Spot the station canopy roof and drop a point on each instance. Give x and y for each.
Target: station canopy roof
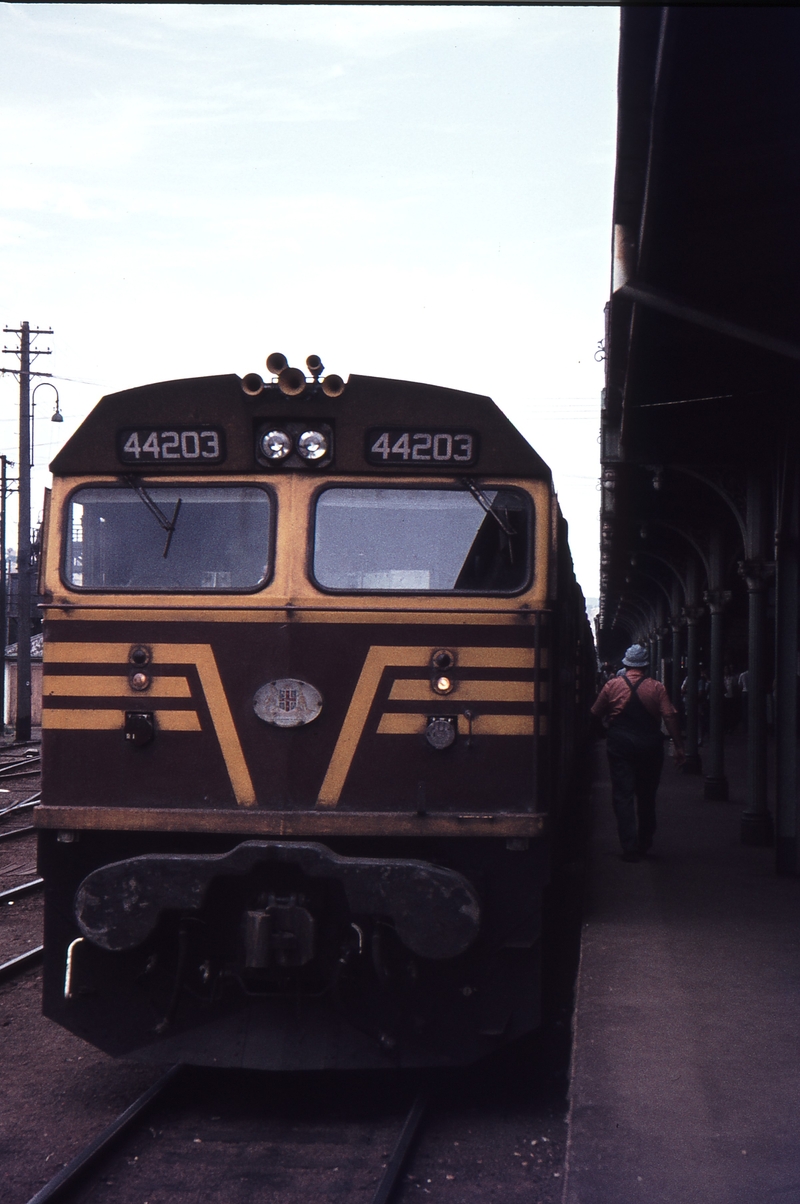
(703, 326)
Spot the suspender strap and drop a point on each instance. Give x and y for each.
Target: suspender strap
(635, 716)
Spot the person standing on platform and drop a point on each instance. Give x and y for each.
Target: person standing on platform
(633, 706)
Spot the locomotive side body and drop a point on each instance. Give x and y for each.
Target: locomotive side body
(299, 765)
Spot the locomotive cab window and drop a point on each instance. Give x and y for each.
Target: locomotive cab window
(154, 538)
(419, 540)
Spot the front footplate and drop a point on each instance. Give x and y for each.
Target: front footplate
(435, 911)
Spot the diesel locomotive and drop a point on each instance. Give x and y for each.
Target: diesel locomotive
(316, 675)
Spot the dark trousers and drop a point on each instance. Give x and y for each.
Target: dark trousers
(635, 774)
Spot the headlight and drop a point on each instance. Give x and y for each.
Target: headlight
(275, 445)
(312, 445)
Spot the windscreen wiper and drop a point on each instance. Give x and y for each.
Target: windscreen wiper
(485, 504)
(166, 524)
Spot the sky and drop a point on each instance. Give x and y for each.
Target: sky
(419, 192)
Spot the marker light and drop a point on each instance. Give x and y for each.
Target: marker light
(443, 685)
(275, 445)
(312, 445)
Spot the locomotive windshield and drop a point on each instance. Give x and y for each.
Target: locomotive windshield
(419, 540)
(202, 539)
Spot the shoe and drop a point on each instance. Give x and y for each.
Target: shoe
(630, 855)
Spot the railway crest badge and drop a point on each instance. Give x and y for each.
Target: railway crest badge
(287, 702)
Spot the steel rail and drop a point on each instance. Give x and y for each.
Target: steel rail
(24, 961)
(96, 1148)
(25, 804)
(24, 889)
(17, 832)
(394, 1167)
(18, 764)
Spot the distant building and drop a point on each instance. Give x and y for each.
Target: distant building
(36, 682)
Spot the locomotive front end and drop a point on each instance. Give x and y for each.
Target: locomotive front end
(297, 765)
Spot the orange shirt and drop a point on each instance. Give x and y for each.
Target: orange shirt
(615, 694)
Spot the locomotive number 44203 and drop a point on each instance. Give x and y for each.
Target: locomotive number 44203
(395, 446)
(146, 445)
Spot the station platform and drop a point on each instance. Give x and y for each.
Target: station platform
(685, 1078)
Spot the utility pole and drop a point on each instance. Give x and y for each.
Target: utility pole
(3, 588)
(25, 353)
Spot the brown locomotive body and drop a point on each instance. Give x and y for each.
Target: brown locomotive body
(314, 679)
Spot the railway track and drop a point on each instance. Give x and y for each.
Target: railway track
(90, 1158)
(17, 832)
(20, 963)
(91, 1154)
(25, 804)
(25, 888)
(12, 967)
(241, 1137)
(31, 957)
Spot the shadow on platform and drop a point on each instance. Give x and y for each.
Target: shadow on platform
(684, 1080)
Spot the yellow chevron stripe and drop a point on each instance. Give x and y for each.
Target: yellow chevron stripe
(200, 656)
(90, 720)
(113, 687)
(377, 660)
(482, 725)
(495, 658)
(409, 690)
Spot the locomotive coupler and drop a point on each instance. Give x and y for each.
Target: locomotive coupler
(281, 934)
(435, 911)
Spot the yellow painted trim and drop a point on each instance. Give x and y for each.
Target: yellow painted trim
(408, 690)
(128, 612)
(402, 725)
(377, 659)
(178, 721)
(290, 583)
(313, 824)
(113, 687)
(482, 725)
(498, 725)
(90, 720)
(382, 657)
(85, 720)
(88, 653)
(202, 657)
(495, 658)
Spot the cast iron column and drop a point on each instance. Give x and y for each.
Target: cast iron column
(716, 784)
(693, 613)
(675, 676)
(757, 826)
(787, 853)
(673, 684)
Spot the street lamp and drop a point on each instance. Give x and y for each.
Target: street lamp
(57, 415)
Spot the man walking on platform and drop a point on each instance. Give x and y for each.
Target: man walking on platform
(634, 706)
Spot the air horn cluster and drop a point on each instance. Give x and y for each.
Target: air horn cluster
(293, 381)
